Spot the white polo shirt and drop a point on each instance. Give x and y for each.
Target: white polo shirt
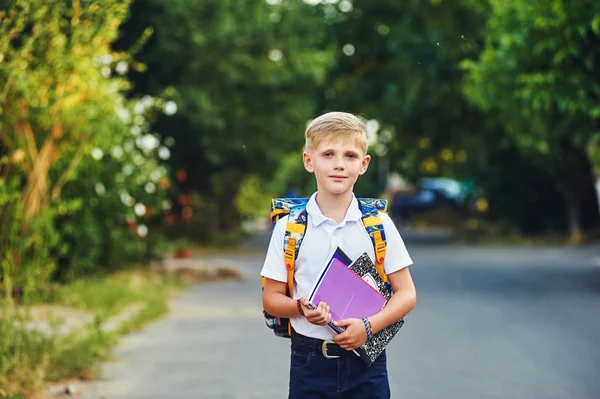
(323, 235)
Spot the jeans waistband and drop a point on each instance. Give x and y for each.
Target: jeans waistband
(327, 348)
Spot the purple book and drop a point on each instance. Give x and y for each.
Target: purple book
(346, 293)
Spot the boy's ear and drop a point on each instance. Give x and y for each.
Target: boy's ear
(365, 165)
(307, 162)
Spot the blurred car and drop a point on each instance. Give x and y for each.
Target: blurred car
(434, 193)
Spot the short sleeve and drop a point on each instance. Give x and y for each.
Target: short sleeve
(396, 256)
(274, 265)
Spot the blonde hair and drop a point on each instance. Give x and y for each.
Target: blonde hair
(336, 125)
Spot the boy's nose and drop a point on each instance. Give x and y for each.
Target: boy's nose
(339, 164)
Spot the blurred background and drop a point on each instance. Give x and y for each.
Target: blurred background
(130, 131)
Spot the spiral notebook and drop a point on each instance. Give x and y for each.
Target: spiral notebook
(370, 351)
(355, 290)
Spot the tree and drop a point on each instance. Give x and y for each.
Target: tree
(54, 97)
(242, 75)
(60, 102)
(538, 77)
(398, 63)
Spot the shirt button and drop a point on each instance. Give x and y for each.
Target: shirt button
(335, 233)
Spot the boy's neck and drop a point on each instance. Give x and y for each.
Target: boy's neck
(334, 206)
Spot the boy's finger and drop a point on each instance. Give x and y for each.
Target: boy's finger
(340, 339)
(342, 323)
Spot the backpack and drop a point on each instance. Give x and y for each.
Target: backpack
(294, 233)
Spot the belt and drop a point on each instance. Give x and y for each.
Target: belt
(328, 348)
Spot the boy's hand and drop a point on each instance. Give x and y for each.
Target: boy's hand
(354, 336)
(319, 316)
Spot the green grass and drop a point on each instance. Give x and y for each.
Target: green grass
(108, 296)
(29, 359)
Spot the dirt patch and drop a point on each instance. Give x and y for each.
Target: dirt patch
(64, 389)
(204, 275)
(198, 271)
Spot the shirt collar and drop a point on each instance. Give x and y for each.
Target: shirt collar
(353, 213)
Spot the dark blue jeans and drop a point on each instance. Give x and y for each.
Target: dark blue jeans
(313, 376)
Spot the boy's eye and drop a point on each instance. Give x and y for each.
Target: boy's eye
(351, 156)
(327, 154)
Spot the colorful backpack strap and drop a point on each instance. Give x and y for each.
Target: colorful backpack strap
(282, 206)
(294, 233)
(370, 209)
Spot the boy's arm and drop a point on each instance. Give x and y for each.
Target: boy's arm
(274, 298)
(400, 304)
(396, 265)
(276, 302)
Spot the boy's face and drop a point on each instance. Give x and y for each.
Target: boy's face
(336, 165)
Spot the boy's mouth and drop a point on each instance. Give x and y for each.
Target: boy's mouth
(338, 177)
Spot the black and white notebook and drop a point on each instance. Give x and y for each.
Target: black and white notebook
(370, 351)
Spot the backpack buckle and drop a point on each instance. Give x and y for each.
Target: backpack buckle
(324, 350)
(290, 253)
(379, 246)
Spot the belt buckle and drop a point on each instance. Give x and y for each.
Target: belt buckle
(324, 349)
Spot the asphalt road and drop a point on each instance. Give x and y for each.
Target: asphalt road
(489, 323)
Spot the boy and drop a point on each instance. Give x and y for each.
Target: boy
(336, 152)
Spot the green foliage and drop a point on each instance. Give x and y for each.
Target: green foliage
(373, 182)
(538, 73)
(401, 64)
(9, 208)
(53, 72)
(252, 200)
(537, 77)
(290, 178)
(398, 63)
(123, 189)
(26, 257)
(63, 106)
(243, 75)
